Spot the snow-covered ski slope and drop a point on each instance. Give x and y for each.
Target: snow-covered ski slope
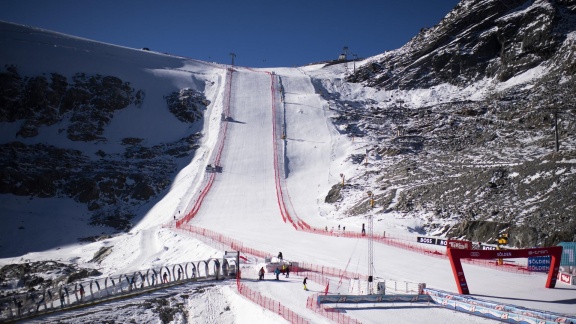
(246, 184)
(242, 202)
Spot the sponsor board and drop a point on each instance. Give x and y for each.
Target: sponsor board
(567, 278)
(431, 240)
(539, 263)
(461, 245)
(441, 242)
(426, 240)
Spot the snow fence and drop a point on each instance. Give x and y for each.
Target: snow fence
(89, 292)
(271, 305)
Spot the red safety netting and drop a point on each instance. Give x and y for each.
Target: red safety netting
(330, 313)
(289, 215)
(270, 304)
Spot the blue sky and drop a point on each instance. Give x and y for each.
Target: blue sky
(260, 33)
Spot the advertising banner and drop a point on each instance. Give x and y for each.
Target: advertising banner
(539, 263)
(567, 278)
(457, 244)
(455, 254)
(431, 240)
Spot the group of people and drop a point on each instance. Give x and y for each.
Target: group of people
(277, 273)
(332, 230)
(285, 270)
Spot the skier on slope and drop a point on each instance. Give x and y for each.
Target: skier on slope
(304, 282)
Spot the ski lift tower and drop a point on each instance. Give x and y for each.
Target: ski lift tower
(370, 245)
(344, 58)
(233, 56)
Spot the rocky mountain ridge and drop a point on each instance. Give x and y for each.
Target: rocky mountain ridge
(479, 39)
(479, 166)
(466, 167)
(110, 184)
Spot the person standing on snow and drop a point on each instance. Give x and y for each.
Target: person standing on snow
(18, 304)
(277, 273)
(304, 282)
(280, 257)
(287, 271)
(42, 301)
(261, 274)
(81, 292)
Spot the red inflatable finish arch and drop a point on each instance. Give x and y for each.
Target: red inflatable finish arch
(555, 252)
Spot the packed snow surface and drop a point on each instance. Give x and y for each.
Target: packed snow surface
(242, 203)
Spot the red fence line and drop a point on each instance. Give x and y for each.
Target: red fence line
(300, 225)
(329, 313)
(274, 145)
(263, 301)
(221, 138)
(239, 246)
(295, 221)
(271, 305)
(279, 193)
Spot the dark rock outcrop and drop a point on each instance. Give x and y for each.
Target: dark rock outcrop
(473, 169)
(111, 184)
(477, 39)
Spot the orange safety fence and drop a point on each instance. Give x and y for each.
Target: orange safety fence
(272, 305)
(289, 215)
(330, 313)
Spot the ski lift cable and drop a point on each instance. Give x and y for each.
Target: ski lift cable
(374, 271)
(347, 264)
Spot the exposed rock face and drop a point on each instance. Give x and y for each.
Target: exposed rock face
(187, 105)
(483, 161)
(334, 194)
(478, 39)
(110, 185)
(89, 102)
(31, 276)
(474, 169)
